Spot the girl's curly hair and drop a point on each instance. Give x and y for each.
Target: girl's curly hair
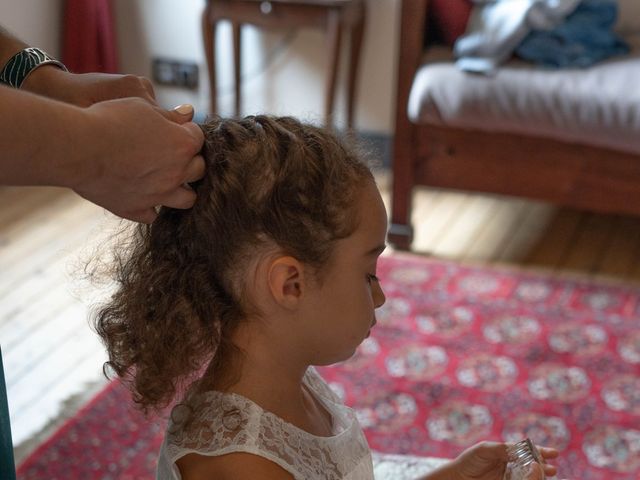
(269, 182)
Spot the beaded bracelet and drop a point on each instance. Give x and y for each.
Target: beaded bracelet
(18, 68)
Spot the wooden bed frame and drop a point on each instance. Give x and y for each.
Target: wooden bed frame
(567, 174)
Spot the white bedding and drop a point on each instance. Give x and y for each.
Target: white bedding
(596, 106)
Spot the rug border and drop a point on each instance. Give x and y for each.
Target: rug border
(25, 464)
(549, 272)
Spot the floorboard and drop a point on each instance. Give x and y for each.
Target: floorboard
(588, 244)
(465, 227)
(494, 236)
(556, 242)
(621, 253)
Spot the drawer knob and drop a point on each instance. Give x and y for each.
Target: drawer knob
(266, 7)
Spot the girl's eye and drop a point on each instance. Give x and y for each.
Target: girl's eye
(372, 278)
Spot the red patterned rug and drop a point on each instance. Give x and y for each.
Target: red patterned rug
(459, 354)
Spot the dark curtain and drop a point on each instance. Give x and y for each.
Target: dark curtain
(89, 40)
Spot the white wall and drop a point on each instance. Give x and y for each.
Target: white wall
(293, 84)
(36, 22)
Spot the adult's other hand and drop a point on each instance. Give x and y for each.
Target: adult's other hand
(85, 89)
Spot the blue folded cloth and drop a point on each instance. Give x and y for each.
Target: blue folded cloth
(497, 27)
(585, 37)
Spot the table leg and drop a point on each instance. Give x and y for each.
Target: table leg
(334, 33)
(209, 38)
(357, 33)
(236, 27)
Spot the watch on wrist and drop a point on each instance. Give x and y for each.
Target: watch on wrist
(18, 68)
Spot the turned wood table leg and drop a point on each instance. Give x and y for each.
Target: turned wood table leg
(237, 67)
(334, 35)
(357, 34)
(209, 39)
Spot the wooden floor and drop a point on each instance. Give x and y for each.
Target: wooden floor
(53, 360)
(497, 229)
(50, 354)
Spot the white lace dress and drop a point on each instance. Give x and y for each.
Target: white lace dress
(225, 423)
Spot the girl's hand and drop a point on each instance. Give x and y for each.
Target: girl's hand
(488, 461)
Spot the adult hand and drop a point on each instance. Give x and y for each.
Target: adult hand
(488, 461)
(143, 156)
(85, 89)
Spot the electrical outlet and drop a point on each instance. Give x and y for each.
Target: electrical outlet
(175, 73)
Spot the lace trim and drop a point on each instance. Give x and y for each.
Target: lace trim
(224, 423)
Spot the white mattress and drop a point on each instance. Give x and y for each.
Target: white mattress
(595, 106)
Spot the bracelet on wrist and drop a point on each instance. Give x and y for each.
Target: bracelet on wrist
(18, 68)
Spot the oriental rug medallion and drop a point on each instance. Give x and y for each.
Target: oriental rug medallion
(460, 354)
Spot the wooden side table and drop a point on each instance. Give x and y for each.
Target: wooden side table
(334, 16)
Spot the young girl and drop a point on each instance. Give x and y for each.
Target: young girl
(271, 272)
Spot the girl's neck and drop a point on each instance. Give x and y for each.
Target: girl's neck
(261, 370)
(269, 377)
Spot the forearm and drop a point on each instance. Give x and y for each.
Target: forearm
(52, 80)
(43, 141)
(41, 79)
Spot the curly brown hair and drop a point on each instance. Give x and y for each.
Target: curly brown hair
(269, 182)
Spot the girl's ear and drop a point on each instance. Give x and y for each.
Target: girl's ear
(285, 278)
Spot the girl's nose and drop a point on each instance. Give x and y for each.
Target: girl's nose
(378, 295)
